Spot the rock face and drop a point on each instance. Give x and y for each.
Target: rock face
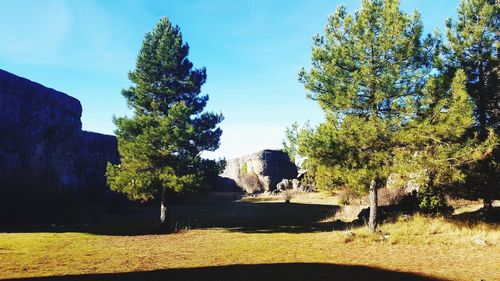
(260, 171)
(41, 139)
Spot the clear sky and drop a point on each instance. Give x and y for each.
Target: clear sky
(252, 50)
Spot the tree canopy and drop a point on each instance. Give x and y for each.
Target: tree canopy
(160, 144)
(474, 46)
(388, 109)
(366, 71)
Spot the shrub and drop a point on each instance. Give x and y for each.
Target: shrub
(307, 182)
(345, 197)
(348, 197)
(288, 195)
(432, 201)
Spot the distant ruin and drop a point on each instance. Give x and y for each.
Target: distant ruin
(257, 172)
(42, 144)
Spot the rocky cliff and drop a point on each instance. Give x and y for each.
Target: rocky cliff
(260, 171)
(42, 143)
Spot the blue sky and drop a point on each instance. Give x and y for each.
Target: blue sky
(252, 50)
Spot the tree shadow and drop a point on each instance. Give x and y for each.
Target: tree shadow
(474, 217)
(251, 217)
(248, 214)
(233, 215)
(257, 272)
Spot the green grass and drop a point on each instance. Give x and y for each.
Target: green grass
(253, 240)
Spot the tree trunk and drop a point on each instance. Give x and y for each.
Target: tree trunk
(372, 220)
(164, 215)
(483, 134)
(482, 105)
(487, 206)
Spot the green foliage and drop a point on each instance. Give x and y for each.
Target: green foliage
(434, 141)
(291, 141)
(160, 144)
(475, 47)
(366, 71)
(387, 108)
(211, 171)
(432, 201)
(244, 169)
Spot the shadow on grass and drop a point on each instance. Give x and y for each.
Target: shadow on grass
(237, 216)
(268, 217)
(257, 272)
(478, 216)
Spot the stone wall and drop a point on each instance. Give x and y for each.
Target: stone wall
(270, 166)
(41, 139)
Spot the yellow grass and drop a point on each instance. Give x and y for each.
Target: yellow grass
(432, 247)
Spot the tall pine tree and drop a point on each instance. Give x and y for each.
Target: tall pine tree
(387, 110)
(366, 71)
(474, 46)
(160, 144)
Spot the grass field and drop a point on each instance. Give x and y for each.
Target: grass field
(224, 238)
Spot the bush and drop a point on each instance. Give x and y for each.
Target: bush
(432, 201)
(349, 197)
(345, 197)
(307, 183)
(288, 195)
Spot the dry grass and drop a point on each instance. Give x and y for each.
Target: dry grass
(437, 231)
(346, 213)
(298, 197)
(433, 247)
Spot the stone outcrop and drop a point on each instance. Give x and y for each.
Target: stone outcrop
(42, 143)
(287, 184)
(260, 171)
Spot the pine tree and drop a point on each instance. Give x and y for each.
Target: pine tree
(291, 142)
(387, 109)
(366, 71)
(474, 46)
(160, 144)
(434, 142)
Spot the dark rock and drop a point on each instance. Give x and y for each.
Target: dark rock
(42, 143)
(226, 185)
